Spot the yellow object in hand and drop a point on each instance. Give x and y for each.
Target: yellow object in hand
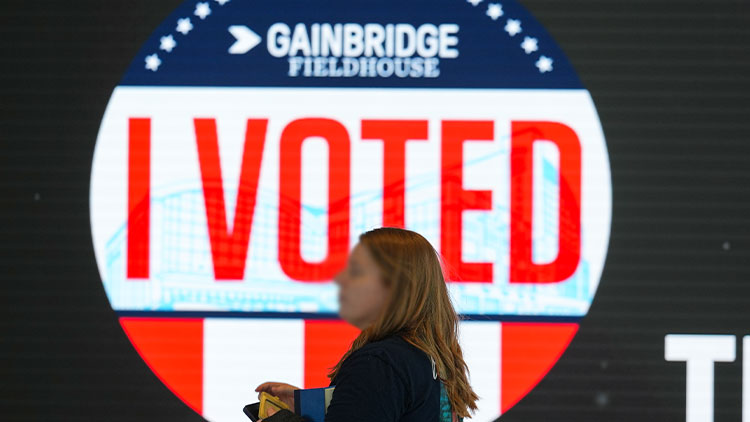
(268, 402)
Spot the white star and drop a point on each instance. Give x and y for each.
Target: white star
(494, 10)
(529, 45)
(202, 10)
(153, 62)
(222, 2)
(167, 43)
(474, 2)
(544, 64)
(513, 27)
(184, 26)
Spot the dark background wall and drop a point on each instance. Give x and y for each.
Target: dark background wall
(670, 80)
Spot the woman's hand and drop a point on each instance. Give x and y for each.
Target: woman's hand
(279, 389)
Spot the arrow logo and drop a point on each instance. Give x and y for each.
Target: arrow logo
(246, 39)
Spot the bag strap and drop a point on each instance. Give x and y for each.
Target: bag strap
(447, 414)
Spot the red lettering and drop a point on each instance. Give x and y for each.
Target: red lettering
(454, 199)
(522, 269)
(290, 206)
(394, 134)
(229, 250)
(139, 197)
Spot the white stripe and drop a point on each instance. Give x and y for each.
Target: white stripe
(480, 342)
(240, 354)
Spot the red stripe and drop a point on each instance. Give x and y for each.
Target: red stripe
(173, 349)
(529, 351)
(325, 343)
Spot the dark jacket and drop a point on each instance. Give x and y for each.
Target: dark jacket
(385, 381)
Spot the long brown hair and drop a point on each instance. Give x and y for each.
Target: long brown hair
(419, 310)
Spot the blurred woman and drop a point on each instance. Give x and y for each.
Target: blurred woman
(406, 364)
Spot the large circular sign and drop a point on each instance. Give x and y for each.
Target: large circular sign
(250, 143)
